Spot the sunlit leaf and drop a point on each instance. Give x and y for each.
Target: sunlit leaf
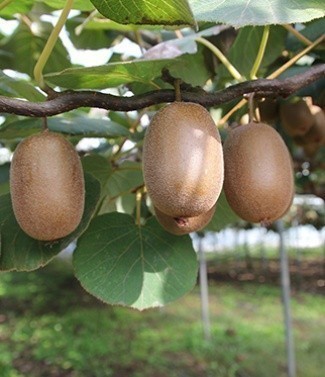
(146, 12)
(255, 12)
(142, 267)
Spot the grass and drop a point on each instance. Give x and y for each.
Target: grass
(50, 327)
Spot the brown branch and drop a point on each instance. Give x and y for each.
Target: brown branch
(66, 101)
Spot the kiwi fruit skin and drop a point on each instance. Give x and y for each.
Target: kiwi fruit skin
(47, 186)
(296, 117)
(259, 184)
(183, 160)
(184, 225)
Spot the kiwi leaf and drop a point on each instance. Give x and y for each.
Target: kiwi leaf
(139, 266)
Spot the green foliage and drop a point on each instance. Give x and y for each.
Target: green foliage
(122, 255)
(139, 266)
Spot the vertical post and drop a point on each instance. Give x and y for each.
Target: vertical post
(285, 284)
(204, 292)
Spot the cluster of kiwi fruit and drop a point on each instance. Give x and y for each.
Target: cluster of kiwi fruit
(47, 186)
(300, 118)
(185, 167)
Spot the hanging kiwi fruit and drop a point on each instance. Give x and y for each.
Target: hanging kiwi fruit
(296, 117)
(47, 186)
(259, 183)
(183, 161)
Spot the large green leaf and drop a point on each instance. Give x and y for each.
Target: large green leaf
(98, 166)
(19, 88)
(23, 253)
(109, 75)
(255, 12)
(142, 267)
(83, 126)
(146, 12)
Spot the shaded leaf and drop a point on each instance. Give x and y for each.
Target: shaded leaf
(146, 12)
(254, 12)
(125, 177)
(84, 5)
(22, 253)
(98, 166)
(141, 267)
(83, 126)
(223, 217)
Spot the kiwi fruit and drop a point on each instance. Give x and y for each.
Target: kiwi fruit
(184, 225)
(296, 117)
(47, 186)
(259, 184)
(183, 160)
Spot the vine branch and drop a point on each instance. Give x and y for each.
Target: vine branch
(59, 103)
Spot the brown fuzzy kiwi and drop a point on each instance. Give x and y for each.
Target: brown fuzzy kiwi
(184, 225)
(259, 183)
(296, 117)
(315, 137)
(183, 160)
(47, 186)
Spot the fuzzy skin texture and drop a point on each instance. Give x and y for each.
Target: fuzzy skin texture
(259, 183)
(183, 160)
(47, 186)
(184, 225)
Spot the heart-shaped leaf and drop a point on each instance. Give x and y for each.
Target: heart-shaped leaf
(137, 266)
(22, 253)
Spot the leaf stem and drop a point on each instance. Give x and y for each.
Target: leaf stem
(298, 35)
(48, 48)
(293, 60)
(231, 69)
(4, 4)
(261, 52)
(138, 207)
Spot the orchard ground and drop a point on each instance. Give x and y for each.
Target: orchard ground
(49, 326)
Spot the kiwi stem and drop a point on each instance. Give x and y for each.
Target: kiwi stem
(274, 75)
(4, 4)
(231, 69)
(177, 86)
(138, 207)
(298, 35)
(251, 108)
(48, 48)
(261, 52)
(293, 60)
(44, 124)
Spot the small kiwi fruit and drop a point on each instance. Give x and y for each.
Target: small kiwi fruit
(184, 225)
(259, 183)
(296, 117)
(183, 160)
(47, 186)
